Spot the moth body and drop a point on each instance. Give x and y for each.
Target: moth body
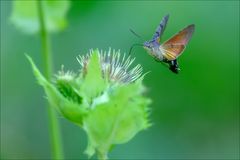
(154, 50)
(169, 51)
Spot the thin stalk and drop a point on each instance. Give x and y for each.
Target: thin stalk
(102, 156)
(54, 129)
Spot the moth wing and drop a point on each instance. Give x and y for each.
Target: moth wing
(160, 29)
(174, 47)
(171, 52)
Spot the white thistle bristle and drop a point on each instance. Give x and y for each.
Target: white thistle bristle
(113, 66)
(68, 75)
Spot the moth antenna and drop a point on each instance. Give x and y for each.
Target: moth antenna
(130, 51)
(137, 35)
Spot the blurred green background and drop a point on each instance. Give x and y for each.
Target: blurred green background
(195, 114)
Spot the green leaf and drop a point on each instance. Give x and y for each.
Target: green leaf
(118, 120)
(93, 84)
(25, 15)
(71, 110)
(68, 90)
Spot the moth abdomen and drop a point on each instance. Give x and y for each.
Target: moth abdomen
(173, 66)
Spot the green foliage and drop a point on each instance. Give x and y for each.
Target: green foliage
(93, 83)
(69, 108)
(25, 15)
(110, 113)
(117, 120)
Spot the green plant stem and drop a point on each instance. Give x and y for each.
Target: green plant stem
(54, 129)
(102, 156)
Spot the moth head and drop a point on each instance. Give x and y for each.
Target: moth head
(148, 45)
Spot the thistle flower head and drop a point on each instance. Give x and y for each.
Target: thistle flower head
(114, 67)
(105, 99)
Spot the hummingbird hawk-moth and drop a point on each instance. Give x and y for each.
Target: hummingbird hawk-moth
(169, 51)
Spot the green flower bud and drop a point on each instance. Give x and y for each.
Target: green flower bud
(105, 98)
